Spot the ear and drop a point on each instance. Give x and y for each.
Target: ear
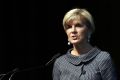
(68, 40)
(89, 32)
(89, 36)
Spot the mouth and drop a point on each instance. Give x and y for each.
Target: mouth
(74, 37)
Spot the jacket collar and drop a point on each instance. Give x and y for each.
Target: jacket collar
(76, 60)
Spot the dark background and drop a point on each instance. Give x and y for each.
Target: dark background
(31, 32)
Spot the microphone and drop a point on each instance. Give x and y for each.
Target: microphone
(13, 72)
(28, 69)
(53, 58)
(1, 76)
(45, 65)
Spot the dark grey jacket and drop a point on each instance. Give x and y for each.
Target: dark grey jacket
(94, 65)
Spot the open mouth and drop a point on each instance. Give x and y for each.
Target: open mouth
(74, 37)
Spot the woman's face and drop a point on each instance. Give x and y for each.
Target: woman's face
(77, 31)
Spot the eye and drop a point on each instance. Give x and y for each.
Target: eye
(68, 26)
(79, 25)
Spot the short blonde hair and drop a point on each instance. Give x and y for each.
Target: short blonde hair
(81, 13)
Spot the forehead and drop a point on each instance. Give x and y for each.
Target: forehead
(74, 20)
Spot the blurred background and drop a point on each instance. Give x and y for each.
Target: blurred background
(31, 33)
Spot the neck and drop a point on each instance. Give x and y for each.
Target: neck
(81, 49)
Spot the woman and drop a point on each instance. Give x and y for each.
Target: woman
(83, 61)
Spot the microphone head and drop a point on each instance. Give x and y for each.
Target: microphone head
(16, 69)
(53, 58)
(56, 56)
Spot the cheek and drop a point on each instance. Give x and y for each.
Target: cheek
(67, 32)
(83, 33)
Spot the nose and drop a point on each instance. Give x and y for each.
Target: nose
(73, 28)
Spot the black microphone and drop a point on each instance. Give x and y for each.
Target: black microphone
(28, 69)
(14, 71)
(10, 72)
(53, 59)
(1, 76)
(42, 66)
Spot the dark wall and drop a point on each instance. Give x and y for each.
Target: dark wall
(32, 32)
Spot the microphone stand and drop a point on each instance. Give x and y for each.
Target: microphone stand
(28, 69)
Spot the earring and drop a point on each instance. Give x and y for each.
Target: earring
(68, 43)
(89, 38)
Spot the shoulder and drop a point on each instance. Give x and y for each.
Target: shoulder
(103, 57)
(60, 59)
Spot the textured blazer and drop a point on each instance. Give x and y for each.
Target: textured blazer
(94, 65)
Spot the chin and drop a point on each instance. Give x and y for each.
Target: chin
(76, 42)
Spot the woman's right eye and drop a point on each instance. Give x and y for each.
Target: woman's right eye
(68, 26)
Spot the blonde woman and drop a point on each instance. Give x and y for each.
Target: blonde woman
(83, 61)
